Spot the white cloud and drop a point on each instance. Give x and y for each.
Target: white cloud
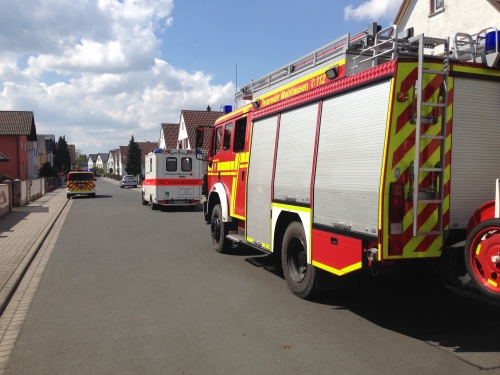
(373, 10)
(90, 70)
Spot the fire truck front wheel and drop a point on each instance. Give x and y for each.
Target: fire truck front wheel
(299, 275)
(482, 257)
(219, 231)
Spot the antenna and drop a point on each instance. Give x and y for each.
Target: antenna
(236, 89)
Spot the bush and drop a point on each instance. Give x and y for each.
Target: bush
(4, 177)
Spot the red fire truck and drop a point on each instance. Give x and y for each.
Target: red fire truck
(376, 151)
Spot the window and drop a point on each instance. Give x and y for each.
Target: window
(437, 5)
(171, 164)
(227, 136)
(240, 134)
(186, 164)
(216, 141)
(151, 165)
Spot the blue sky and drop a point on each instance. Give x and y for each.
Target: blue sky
(99, 71)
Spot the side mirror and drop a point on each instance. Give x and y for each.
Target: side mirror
(199, 137)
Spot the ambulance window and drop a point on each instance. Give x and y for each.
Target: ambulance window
(217, 139)
(186, 164)
(240, 134)
(227, 136)
(171, 164)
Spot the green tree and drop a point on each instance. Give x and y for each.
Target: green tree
(62, 158)
(47, 170)
(133, 165)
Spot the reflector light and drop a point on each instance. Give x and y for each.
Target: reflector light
(395, 229)
(396, 201)
(395, 248)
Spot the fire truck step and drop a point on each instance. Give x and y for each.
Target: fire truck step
(431, 201)
(431, 169)
(432, 233)
(235, 237)
(431, 137)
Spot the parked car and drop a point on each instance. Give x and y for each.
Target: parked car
(128, 180)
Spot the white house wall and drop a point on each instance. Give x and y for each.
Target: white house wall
(464, 16)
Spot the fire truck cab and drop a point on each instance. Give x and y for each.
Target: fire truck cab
(370, 153)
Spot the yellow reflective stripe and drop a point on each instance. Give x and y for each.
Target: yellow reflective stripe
(478, 249)
(291, 208)
(343, 271)
(491, 282)
(243, 110)
(474, 70)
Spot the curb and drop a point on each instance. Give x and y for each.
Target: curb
(14, 281)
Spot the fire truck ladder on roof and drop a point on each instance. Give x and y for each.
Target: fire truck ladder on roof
(436, 195)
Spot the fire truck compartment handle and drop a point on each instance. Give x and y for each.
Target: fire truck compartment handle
(242, 175)
(334, 241)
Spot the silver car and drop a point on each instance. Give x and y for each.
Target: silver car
(128, 180)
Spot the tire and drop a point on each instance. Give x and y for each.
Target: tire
(68, 196)
(92, 195)
(135, 186)
(154, 206)
(144, 202)
(299, 275)
(121, 187)
(482, 257)
(219, 231)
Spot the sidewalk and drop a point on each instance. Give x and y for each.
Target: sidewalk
(22, 232)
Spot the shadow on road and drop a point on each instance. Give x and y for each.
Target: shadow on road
(85, 196)
(415, 305)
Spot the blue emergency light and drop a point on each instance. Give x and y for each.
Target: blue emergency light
(228, 109)
(491, 40)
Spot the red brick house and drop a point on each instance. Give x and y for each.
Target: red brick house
(16, 129)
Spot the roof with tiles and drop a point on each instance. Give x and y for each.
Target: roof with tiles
(146, 148)
(123, 154)
(112, 155)
(170, 134)
(104, 156)
(93, 157)
(193, 119)
(18, 123)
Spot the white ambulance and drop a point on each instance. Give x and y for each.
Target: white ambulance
(172, 178)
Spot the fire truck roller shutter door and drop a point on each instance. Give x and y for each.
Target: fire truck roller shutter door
(475, 154)
(260, 172)
(349, 160)
(295, 154)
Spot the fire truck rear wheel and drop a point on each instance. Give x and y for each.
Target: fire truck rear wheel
(219, 231)
(482, 257)
(299, 275)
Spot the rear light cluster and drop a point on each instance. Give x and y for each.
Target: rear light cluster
(396, 215)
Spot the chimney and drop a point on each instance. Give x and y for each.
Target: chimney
(208, 108)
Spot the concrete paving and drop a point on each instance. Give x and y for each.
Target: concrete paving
(22, 233)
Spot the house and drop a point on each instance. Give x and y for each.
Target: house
(33, 159)
(92, 161)
(121, 159)
(169, 134)
(111, 162)
(40, 140)
(17, 128)
(146, 148)
(445, 18)
(50, 146)
(102, 161)
(188, 123)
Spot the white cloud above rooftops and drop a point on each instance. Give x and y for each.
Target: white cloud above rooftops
(107, 78)
(373, 10)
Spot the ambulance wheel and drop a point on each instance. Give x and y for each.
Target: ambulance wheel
(144, 202)
(482, 257)
(299, 275)
(219, 231)
(154, 206)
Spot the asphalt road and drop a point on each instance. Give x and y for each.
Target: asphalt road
(128, 290)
